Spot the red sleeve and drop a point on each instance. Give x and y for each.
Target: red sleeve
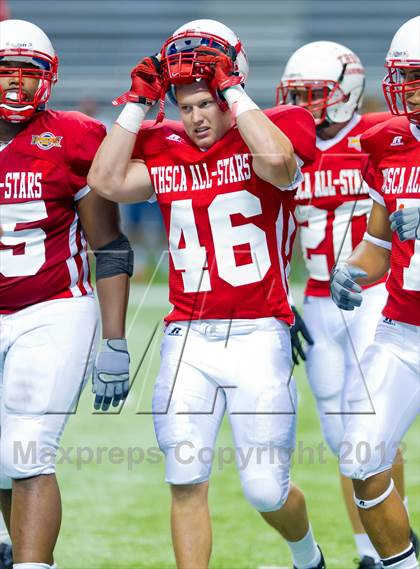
(370, 174)
(82, 160)
(86, 151)
(370, 143)
(85, 137)
(299, 127)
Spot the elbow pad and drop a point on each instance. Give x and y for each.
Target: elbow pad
(115, 258)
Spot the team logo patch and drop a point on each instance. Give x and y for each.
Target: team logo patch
(46, 140)
(354, 142)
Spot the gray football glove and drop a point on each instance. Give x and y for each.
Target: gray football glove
(345, 292)
(111, 374)
(406, 222)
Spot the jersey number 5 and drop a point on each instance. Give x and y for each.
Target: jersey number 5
(17, 264)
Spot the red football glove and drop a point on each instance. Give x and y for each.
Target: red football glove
(147, 84)
(221, 67)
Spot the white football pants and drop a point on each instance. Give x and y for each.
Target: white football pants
(46, 354)
(340, 339)
(244, 367)
(384, 402)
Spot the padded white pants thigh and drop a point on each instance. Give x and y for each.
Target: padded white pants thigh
(384, 407)
(47, 356)
(340, 339)
(244, 366)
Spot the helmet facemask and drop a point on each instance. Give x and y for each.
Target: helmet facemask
(179, 59)
(396, 89)
(181, 65)
(15, 105)
(319, 95)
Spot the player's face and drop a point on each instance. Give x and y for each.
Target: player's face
(308, 98)
(203, 120)
(11, 83)
(412, 97)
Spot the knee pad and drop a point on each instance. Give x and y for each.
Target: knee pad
(266, 494)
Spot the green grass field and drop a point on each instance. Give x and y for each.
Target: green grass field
(116, 514)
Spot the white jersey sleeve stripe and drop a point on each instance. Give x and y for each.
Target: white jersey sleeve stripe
(82, 193)
(376, 241)
(71, 262)
(84, 257)
(376, 196)
(298, 178)
(283, 246)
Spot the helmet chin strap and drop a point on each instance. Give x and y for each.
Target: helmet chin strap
(325, 124)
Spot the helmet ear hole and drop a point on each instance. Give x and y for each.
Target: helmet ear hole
(231, 52)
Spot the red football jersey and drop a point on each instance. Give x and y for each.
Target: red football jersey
(394, 152)
(333, 202)
(42, 174)
(230, 232)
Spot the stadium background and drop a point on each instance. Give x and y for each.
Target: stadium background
(116, 515)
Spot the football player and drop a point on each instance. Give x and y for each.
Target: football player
(390, 363)
(224, 178)
(333, 206)
(48, 315)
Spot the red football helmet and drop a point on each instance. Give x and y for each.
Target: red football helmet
(23, 42)
(179, 60)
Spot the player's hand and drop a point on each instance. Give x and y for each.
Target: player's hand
(220, 67)
(147, 84)
(298, 332)
(406, 222)
(345, 292)
(111, 374)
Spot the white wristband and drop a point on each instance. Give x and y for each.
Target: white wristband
(376, 241)
(239, 102)
(132, 116)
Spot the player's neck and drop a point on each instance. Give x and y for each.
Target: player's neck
(331, 131)
(9, 130)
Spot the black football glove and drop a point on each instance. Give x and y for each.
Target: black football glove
(297, 331)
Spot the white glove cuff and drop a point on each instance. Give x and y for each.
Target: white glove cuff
(132, 117)
(239, 102)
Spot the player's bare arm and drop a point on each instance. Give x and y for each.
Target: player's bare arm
(367, 264)
(273, 156)
(100, 222)
(372, 255)
(114, 266)
(114, 175)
